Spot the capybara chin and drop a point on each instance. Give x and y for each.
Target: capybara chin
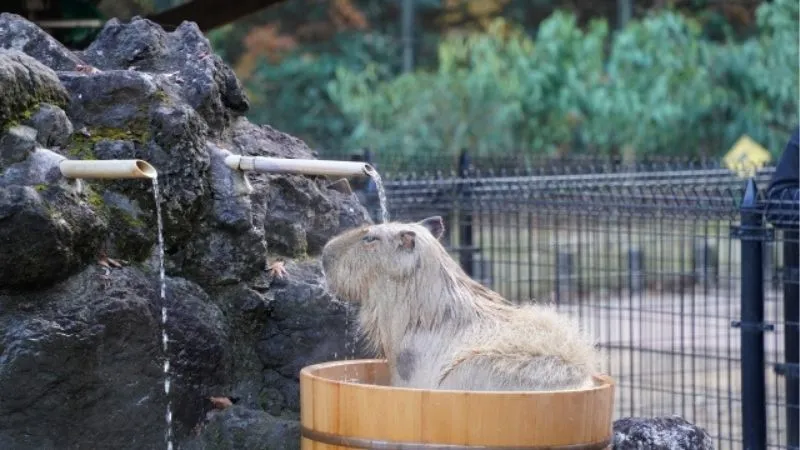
(438, 328)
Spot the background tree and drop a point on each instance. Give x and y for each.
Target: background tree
(661, 88)
(519, 77)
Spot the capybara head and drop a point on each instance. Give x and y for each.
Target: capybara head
(379, 256)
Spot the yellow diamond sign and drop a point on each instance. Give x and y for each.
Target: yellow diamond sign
(746, 156)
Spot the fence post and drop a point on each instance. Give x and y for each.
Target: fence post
(636, 270)
(751, 233)
(465, 218)
(791, 315)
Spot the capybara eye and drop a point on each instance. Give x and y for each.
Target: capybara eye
(369, 238)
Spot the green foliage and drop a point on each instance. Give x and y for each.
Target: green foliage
(660, 87)
(291, 95)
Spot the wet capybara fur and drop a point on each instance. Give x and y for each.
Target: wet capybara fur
(438, 328)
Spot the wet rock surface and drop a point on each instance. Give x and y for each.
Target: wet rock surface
(81, 364)
(46, 235)
(81, 361)
(659, 433)
(307, 326)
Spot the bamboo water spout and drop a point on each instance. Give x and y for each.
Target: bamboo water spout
(107, 169)
(299, 166)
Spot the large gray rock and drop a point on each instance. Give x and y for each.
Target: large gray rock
(306, 326)
(16, 33)
(659, 433)
(206, 83)
(80, 358)
(128, 114)
(46, 235)
(25, 84)
(81, 363)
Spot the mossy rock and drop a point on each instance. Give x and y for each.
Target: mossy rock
(82, 144)
(25, 84)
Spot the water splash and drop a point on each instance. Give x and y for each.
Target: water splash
(163, 297)
(376, 177)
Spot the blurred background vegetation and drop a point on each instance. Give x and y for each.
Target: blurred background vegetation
(521, 78)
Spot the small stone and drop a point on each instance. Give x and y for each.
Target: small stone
(659, 433)
(16, 144)
(40, 170)
(52, 125)
(243, 428)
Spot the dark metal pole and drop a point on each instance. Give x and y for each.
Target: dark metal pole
(465, 222)
(754, 410)
(791, 316)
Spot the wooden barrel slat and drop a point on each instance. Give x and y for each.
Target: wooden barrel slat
(364, 412)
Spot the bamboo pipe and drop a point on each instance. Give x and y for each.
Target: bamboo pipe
(299, 166)
(108, 168)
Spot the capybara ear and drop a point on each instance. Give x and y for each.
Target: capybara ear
(434, 224)
(407, 239)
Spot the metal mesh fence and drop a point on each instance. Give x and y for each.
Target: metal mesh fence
(657, 264)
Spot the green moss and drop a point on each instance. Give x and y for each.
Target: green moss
(95, 200)
(161, 95)
(82, 145)
(130, 220)
(27, 102)
(131, 237)
(40, 187)
(18, 118)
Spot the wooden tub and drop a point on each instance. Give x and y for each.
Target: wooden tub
(347, 404)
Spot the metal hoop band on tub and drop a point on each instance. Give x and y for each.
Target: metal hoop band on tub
(376, 444)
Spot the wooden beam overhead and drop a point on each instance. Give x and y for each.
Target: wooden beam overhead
(209, 14)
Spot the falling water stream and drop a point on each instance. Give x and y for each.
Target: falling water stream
(163, 297)
(376, 177)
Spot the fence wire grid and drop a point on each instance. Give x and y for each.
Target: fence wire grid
(651, 263)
